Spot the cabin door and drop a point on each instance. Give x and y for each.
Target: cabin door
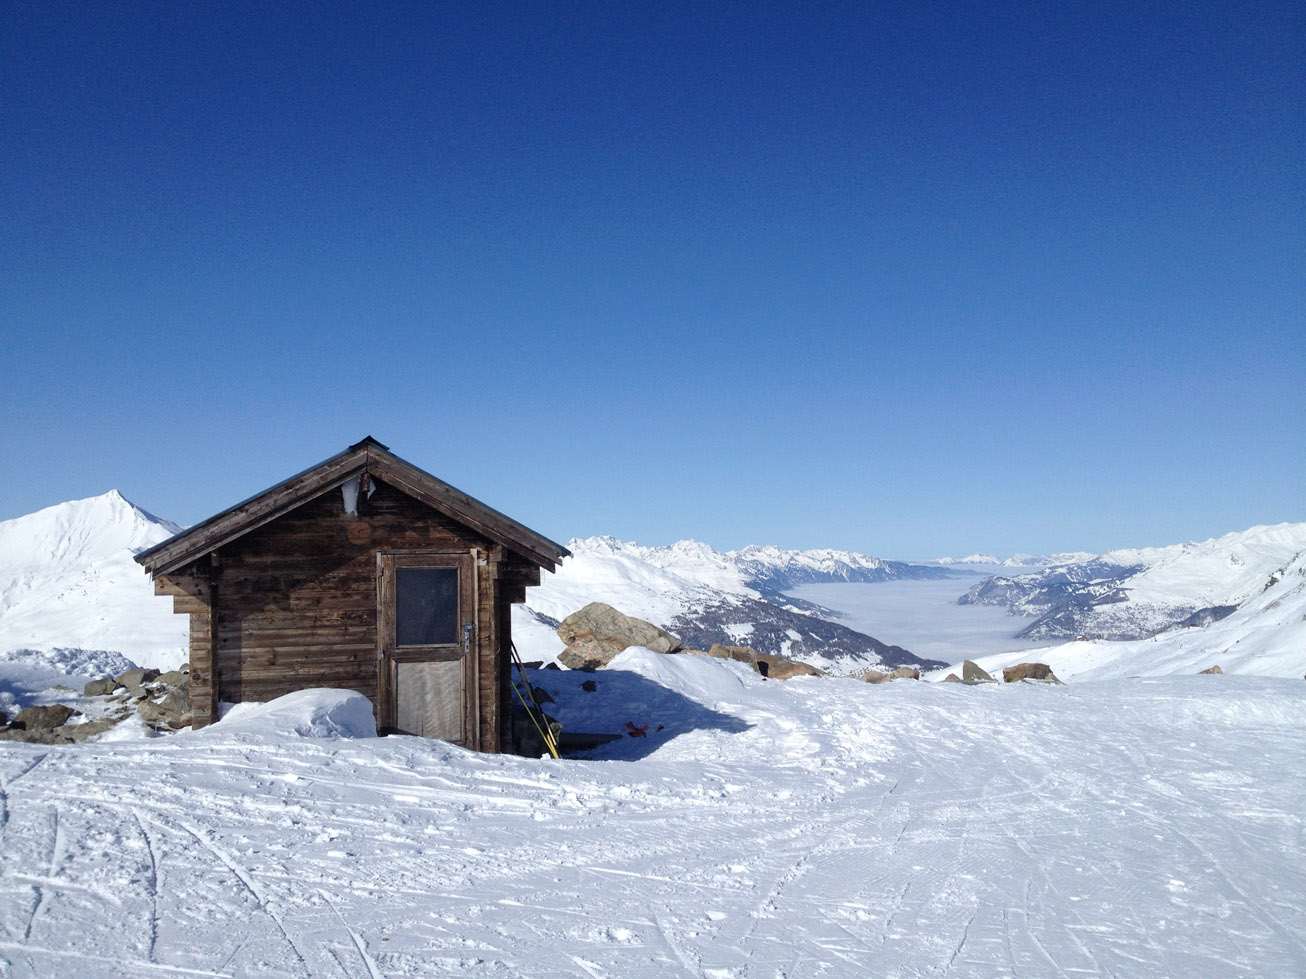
(426, 621)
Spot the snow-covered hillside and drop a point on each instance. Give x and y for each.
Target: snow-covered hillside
(1264, 635)
(756, 571)
(68, 580)
(705, 596)
(1136, 593)
(817, 827)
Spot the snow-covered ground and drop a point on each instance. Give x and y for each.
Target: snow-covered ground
(816, 827)
(923, 616)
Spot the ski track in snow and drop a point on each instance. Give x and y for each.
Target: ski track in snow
(1123, 828)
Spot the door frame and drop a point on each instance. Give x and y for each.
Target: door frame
(464, 650)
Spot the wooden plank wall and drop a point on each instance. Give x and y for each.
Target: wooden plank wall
(298, 600)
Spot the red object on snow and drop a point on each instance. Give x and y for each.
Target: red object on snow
(636, 732)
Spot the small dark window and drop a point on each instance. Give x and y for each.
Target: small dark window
(426, 607)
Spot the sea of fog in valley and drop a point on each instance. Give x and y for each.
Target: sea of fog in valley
(922, 616)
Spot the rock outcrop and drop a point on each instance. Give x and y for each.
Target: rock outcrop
(598, 632)
(1029, 671)
(740, 654)
(772, 667)
(779, 668)
(972, 672)
(878, 676)
(162, 701)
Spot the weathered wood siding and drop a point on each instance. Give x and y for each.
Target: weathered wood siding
(296, 600)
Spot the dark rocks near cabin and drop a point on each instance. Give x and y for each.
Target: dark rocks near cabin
(134, 680)
(526, 732)
(43, 718)
(100, 688)
(161, 700)
(171, 711)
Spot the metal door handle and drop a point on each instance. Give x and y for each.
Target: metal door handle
(467, 636)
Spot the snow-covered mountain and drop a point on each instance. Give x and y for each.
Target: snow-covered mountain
(1017, 560)
(67, 580)
(758, 569)
(1264, 634)
(705, 596)
(1135, 593)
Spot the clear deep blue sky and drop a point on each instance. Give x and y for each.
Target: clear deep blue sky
(910, 279)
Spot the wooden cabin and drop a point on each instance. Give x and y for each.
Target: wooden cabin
(364, 573)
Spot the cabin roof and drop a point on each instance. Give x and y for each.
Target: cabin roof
(368, 456)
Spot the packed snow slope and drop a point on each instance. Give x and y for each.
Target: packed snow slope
(1135, 593)
(817, 827)
(705, 596)
(1265, 635)
(68, 580)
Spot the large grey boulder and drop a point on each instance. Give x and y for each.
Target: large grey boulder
(878, 676)
(1029, 671)
(135, 680)
(778, 668)
(598, 632)
(175, 678)
(43, 718)
(100, 688)
(972, 672)
(740, 654)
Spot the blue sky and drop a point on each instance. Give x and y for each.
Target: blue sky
(907, 281)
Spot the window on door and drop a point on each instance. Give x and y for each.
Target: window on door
(426, 607)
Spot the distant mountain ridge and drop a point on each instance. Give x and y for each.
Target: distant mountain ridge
(1017, 560)
(733, 597)
(1135, 593)
(764, 569)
